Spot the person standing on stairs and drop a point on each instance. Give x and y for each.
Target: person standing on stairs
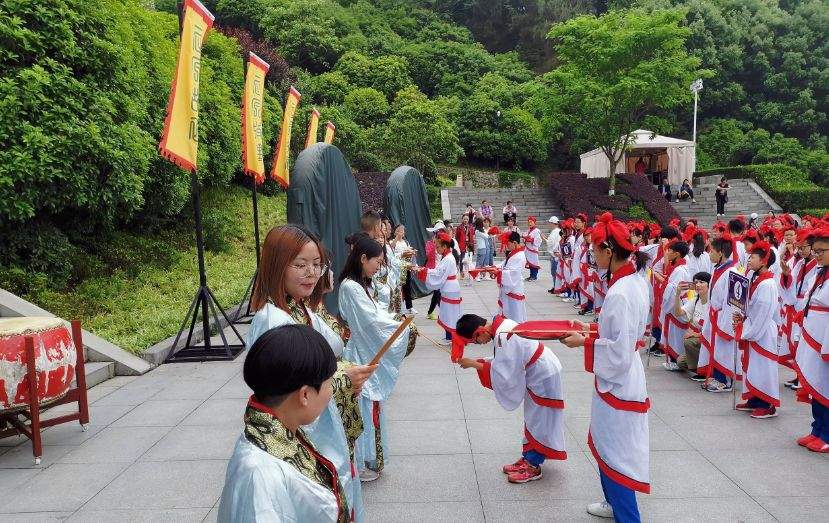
(722, 196)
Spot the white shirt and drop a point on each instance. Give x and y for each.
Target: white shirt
(694, 311)
(554, 241)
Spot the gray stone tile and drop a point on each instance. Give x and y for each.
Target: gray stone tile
(771, 472)
(235, 388)
(105, 414)
(140, 516)
(424, 479)
(504, 435)
(698, 477)
(796, 509)
(21, 457)
(12, 479)
(134, 393)
(535, 510)
(70, 434)
(427, 437)
(61, 487)
(449, 512)
(152, 413)
(427, 366)
(573, 478)
(116, 445)
(662, 436)
(34, 517)
(195, 443)
(218, 412)
(168, 485)
(424, 407)
(486, 407)
(425, 384)
(189, 389)
(725, 510)
(717, 432)
(212, 516)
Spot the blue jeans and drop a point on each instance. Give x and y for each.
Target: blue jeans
(719, 376)
(820, 427)
(481, 256)
(622, 499)
(533, 273)
(553, 269)
(534, 458)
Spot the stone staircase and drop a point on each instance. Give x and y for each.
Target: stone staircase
(744, 197)
(529, 202)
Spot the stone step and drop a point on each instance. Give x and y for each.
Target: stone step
(98, 372)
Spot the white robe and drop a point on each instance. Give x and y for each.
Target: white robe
(618, 437)
(794, 295)
(511, 283)
(327, 432)
(259, 487)
(812, 355)
(444, 277)
(532, 244)
(371, 325)
(758, 337)
(673, 329)
(699, 264)
(718, 328)
(525, 370)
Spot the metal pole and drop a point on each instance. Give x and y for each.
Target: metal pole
(696, 98)
(200, 252)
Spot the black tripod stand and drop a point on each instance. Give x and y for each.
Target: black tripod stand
(203, 306)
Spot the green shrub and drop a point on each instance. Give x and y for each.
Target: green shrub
(509, 178)
(637, 211)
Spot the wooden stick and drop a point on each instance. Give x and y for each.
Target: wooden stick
(436, 344)
(396, 334)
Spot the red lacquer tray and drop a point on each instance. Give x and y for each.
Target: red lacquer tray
(478, 270)
(552, 329)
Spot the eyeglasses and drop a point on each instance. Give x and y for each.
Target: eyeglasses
(819, 252)
(313, 269)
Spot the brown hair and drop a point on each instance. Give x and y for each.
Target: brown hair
(281, 246)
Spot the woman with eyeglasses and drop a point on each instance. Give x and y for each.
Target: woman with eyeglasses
(812, 355)
(371, 324)
(288, 289)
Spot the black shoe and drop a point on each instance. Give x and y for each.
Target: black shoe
(583, 312)
(698, 377)
(551, 291)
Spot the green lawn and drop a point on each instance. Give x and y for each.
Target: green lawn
(143, 300)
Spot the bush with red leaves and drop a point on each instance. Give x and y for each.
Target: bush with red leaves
(576, 193)
(371, 187)
(279, 73)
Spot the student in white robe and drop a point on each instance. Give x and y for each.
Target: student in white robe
(521, 370)
(288, 290)
(673, 328)
(756, 334)
(812, 355)
(510, 280)
(564, 262)
(532, 244)
(618, 435)
(554, 250)
(370, 325)
(718, 329)
(736, 227)
(579, 223)
(444, 278)
(586, 272)
(276, 473)
(802, 268)
(698, 259)
(656, 263)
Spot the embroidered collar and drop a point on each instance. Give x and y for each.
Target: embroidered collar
(625, 270)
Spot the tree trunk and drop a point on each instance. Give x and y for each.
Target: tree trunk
(612, 175)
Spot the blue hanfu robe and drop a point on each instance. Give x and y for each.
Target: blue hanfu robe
(371, 324)
(327, 432)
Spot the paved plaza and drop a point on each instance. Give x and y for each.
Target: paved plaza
(158, 445)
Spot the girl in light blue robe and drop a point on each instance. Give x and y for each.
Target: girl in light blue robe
(370, 324)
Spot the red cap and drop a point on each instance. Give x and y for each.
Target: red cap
(607, 227)
(442, 236)
(582, 216)
(532, 219)
(763, 246)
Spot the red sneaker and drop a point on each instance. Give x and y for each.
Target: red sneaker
(518, 466)
(818, 445)
(805, 440)
(525, 475)
(764, 413)
(744, 407)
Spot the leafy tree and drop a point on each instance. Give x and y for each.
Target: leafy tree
(366, 106)
(616, 72)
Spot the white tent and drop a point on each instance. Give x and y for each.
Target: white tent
(670, 156)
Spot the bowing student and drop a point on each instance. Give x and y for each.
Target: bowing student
(717, 336)
(511, 281)
(756, 334)
(289, 289)
(673, 328)
(812, 355)
(618, 435)
(532, 244)
(371, 324)
(521, 370)
(444, 278)
(276, 473)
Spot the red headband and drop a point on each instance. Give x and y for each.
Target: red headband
(442, 236)
(531, 219)
(762, 246)
(610, 228)
(581, 216)
(459, 342)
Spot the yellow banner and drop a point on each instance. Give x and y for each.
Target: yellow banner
(313, 126)
(180, 137)
(280, 171)
(252, 103)
(330, 128)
